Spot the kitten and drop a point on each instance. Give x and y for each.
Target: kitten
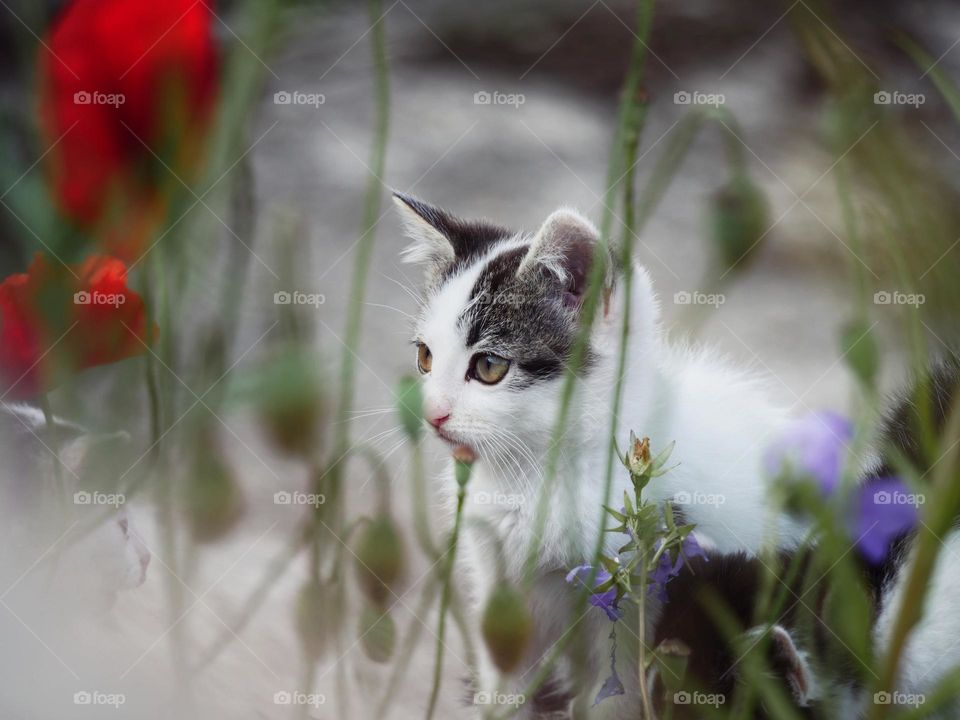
(90, 567)
(714, 664)
(933, 646)
(493, 339)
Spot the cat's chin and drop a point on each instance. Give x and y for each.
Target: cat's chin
(458, 448)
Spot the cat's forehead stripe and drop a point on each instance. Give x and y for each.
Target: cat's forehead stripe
(488, 307)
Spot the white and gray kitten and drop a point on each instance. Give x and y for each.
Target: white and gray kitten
(87, 565)
(495, 332)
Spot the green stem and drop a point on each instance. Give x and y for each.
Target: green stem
(596, 285)
(421, 520)
(388, 699)
(371, 210)
(445, 600)
(642, 647)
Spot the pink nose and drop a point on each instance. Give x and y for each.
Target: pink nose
(439, 420)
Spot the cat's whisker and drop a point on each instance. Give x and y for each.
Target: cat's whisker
(414, 295)
(390, 307)
(380, 436)
(514, 441)
(365, 414)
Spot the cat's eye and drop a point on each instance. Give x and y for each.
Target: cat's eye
(488, 368)
(424, 358)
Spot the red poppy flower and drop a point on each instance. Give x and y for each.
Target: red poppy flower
(126, 87)
(56, 320)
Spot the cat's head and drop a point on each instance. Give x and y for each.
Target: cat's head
(500, 321)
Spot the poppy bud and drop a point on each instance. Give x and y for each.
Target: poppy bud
(739, 218)
(410, 407)
(292, 403)
(213, 499)
(506, 627)
(378, 634)
(379, 559)
(463, 458)
(316, 608)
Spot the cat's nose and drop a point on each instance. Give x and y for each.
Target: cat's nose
(438, 420)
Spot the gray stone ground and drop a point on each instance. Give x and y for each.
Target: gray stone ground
(514, 165)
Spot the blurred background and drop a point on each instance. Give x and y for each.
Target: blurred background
(498, 110)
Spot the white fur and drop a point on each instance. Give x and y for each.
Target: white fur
(719, 417)
(933, 646)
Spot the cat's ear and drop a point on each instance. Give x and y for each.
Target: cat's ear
(564, 246)
(440, 238)
(424, 225)
(789, 663)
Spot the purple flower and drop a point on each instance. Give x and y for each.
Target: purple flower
(606, 600)
(885, 510)
(813, 446)
(666, 569)
(612, 686)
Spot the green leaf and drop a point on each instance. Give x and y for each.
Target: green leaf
(618, 515)
(661, 458)
(612, 566)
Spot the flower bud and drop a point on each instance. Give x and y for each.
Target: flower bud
(316, 608)
(506, 627)
(739, 218)
(379, 559)
(378, 634)
(463, 459)
(213, 499)
(410, 406)
(291, 403)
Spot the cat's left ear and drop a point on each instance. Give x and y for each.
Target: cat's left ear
(564, 246)
(440, 238)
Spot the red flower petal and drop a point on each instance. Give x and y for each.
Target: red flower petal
(123, 82)
(55, 321)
